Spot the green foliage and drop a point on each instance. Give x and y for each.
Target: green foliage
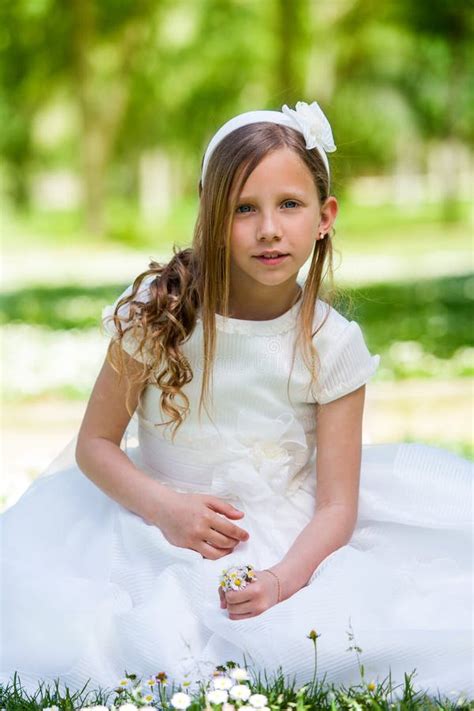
(435, 313)
(134, 76)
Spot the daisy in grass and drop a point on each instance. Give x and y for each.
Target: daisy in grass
(222, 682)
(179, 700)
(217, 696)
(240, 692)
(239, 674)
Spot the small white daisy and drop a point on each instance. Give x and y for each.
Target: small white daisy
(124, 682)
(180, 700)
(258, 701)
(148, 698)
(222, 682)
(239, 674)
(240, 692)
(218, 696)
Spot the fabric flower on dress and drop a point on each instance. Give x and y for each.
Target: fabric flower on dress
(314, 124)
(265, 458)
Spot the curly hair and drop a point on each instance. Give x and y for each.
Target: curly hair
(197, 279)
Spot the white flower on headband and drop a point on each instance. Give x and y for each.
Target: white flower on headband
(314, 124)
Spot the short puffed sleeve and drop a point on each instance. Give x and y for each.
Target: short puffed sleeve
(132, 337)
(345, 361)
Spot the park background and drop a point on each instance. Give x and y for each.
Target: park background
(106, 109)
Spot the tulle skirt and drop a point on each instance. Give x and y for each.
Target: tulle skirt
(91, 591)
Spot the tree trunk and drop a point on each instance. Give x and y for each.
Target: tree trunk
(292, 39)
(92, 142)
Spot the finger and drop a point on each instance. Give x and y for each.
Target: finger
(237, 597)
(211, 552)
(222, 598)
(229, 529)
(241, 613)
(219, 540)
(226, 509)
(240, 608)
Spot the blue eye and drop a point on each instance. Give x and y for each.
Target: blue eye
(284, 203)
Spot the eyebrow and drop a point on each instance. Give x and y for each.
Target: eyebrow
(284, 193)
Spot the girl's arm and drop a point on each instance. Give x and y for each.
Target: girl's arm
(338, 460)
(195, 521)
(98, 451)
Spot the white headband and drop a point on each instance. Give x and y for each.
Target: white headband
(308, 120)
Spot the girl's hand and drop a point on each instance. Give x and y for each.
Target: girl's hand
(196, 521)
(257, 597)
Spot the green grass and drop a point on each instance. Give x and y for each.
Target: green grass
(390, 229)
(124, 227)
(436, 313)
(281, 692)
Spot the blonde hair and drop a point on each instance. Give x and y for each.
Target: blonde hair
(198, 278)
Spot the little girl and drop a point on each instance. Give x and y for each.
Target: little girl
(249, 392)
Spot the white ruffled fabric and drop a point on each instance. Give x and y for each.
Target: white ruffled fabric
(91, 591)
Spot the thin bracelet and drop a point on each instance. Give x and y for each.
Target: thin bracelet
(277, 579)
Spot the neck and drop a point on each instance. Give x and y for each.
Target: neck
(265, 305)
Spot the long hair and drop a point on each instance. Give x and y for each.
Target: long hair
(198, 278)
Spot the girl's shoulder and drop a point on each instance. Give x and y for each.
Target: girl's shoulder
(329, 324)
(345, 360)
(132, 336)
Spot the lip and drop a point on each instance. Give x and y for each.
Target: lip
(271, 253)
(271, 262)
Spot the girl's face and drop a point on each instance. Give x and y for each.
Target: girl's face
(278, 210)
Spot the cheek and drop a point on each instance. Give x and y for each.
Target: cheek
(303, 233)
(238, 240)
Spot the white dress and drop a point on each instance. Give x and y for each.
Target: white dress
(91, 591)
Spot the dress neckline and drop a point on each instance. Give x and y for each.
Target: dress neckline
(281, 324)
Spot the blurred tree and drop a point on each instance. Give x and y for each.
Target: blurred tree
(293, 37)
(107, 39)
(439, 84)
(31, 67)
(164, 74)
(403, 77)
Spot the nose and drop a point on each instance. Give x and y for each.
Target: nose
(269, 227)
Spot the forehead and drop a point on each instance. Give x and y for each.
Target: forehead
(280, 170)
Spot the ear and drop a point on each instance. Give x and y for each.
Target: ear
(329, 212)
